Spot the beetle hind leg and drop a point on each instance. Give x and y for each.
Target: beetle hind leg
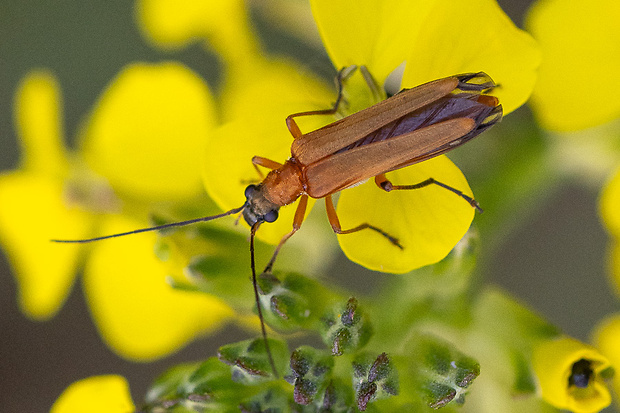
(365, 225)
(385, 184)
(300, 213)
(335, 223)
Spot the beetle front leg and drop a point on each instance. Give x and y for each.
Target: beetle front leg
(300, 214)
(267, 163)
(335, 223)
(385, 184)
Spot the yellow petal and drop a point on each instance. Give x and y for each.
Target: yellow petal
(475, 36)
(97, 394)
(435, 38)
(607, 340)
(147, 133)
(276, 89)
(553, 362)
(32, 212)
(614, 266)
(138, 314)
(173, 24)
(378, 34)
(610, 204)
(428, 222)
(39, 125)
(578, 79)
(260, 109)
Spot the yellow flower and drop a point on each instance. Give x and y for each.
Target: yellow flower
(433, 39)
(174, 24)
(130, 141)
(607, 340)
(610, 205)
(147, 133)
(578, 77)
(571, 375)
(579, 41)
(32, 202)
(97, 394)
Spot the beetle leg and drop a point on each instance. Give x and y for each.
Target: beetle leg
(300, 213)
(290, 122)
(374, 87)
(385, 184)
(335, 223)
(267, 163)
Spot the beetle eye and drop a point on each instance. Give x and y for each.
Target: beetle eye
(271, 216)
(249, 191)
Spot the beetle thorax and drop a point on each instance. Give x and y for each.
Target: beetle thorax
(284, 185)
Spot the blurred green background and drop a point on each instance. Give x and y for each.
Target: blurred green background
(554, 260)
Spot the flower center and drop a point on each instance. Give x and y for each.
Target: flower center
(581, 373)
(91, 192)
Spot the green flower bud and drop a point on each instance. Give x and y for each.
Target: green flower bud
(346, 329)
(249, 360)
(441, 372)
(311, 373)
(374, 379)
(292, 301)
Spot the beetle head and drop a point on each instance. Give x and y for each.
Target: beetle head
(257, 207)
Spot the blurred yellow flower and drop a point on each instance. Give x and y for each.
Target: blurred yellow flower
(174, 24)
(146, 134)
(32, 202)
(97, 394)
(136, 310)
(571, 375)
(607, 340)
(579, 41)
(54, 195)
(609, 205)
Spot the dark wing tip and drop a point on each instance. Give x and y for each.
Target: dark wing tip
(475, 82)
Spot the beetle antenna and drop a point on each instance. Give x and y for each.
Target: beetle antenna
(257, 298)
(156, 228)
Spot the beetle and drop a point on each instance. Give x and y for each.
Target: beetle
(409, 127)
